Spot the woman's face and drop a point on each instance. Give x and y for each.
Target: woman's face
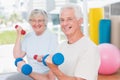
(38, 24)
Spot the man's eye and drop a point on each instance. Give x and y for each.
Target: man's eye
(69, 19)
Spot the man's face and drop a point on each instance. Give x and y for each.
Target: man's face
(38, 24)
(68, 21)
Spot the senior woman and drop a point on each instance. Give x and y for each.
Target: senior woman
(40, 41)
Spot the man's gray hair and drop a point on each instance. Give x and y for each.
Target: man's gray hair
(39, 12)
(75, 7)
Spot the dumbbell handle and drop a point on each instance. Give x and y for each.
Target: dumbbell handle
(23, 32)
(57, 59)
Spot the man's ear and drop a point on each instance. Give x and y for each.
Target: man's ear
(80, 20)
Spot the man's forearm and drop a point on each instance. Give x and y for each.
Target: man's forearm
(38, 76)
(62, 76)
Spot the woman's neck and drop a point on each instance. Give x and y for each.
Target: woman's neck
(40, 33)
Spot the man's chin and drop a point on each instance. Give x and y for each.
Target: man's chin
(67, 33)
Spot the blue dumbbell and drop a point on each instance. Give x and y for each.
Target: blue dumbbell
(57, 59)
(26, 68)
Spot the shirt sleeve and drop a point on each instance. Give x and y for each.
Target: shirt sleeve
(88, 65)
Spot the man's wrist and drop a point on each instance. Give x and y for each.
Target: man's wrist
(58, 73)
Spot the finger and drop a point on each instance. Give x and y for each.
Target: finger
(18, 69)
(39, 58)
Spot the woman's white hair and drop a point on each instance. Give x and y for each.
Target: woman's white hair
(75, 7)
(39, 12)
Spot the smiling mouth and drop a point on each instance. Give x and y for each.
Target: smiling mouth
(39, 27)
(70, 27)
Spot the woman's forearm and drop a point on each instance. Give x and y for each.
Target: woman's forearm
(17, 52)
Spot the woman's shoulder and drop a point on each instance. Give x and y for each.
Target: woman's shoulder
(28, 35)
(50, 33)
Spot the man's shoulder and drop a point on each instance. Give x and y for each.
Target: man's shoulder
(89, 42)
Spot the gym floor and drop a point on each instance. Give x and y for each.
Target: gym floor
(115, 76)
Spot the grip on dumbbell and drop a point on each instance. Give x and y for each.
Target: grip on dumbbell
(17, 60)
(23, 32)
(57, 59)
(26, 69)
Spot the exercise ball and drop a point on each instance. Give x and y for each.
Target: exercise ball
(110, 58)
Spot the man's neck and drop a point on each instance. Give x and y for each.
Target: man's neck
(74, 37)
